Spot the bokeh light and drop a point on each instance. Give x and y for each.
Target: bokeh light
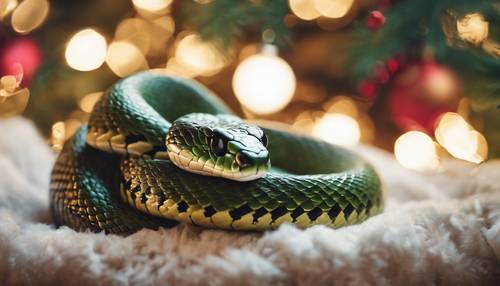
(8, 84)
(135, 31)
(304, 9)
(57, 135)
(86, 50)
(417, 151)
(124, 58)
(14, 103)
(88, 101)
(29, 15)
(460, 139)
(473, 28)
(333, 8)
(198, 56)
(264, 83)
(152, 5)
(6, 6)
(336, 128)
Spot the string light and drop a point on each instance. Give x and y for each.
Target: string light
(124, 58)
(460, 139)
(86, 50)
(336, 128)
(198, 56)
(333, 8)
(472, 28)
(304, 9)
(417, 151)
(29, 15)
(264, 83)
(152, 5)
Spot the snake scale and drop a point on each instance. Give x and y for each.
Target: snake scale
(159, 150)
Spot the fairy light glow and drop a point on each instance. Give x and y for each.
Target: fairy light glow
(152, 5)
(460, 139)
(29, 15)
(304, 9)
(473, 28)
(417, 151)
(86, 50)
(336, 128)
(200, 57)
(124, 58)
(264, 83)
(333, 8)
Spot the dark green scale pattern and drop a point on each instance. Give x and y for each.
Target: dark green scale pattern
(85, 183)
(152, 103)
(273, 192)
(84, 192)
(353, 189)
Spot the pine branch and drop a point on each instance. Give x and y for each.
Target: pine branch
(415, 24)
(224, 21)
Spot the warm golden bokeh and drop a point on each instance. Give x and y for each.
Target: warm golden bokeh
(29, 15)
(473, 28)
(417, 151)
(152, 5)
(333, 8)
(198, 56)
(88, 101)
(264, 83)
(337, 128)
(460, 139)
(304, 9)
(86, 50)
(124, 58)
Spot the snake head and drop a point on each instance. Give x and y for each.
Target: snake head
(218, 145)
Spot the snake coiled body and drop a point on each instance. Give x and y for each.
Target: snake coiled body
(159, 150)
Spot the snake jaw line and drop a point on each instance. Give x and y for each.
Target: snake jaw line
(184, 160)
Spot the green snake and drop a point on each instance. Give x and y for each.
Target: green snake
(159, 150)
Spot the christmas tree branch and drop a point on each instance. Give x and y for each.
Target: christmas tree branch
(223, 21)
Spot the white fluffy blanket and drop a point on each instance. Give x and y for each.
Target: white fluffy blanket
(441, 228)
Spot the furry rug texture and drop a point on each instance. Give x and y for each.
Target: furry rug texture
(440, 228)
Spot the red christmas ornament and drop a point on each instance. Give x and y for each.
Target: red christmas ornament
(20, 56)
(375, 20)
(367, 88)
(421, 94)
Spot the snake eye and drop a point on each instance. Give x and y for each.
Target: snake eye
(218, 144)
(264, 140)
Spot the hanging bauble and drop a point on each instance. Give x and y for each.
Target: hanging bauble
(24, 52)
(422, 93)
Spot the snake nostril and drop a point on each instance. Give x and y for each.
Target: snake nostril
(242, 160)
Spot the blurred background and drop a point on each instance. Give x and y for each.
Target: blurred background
(419, 78)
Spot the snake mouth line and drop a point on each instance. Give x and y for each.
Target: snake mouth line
(186, 161)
